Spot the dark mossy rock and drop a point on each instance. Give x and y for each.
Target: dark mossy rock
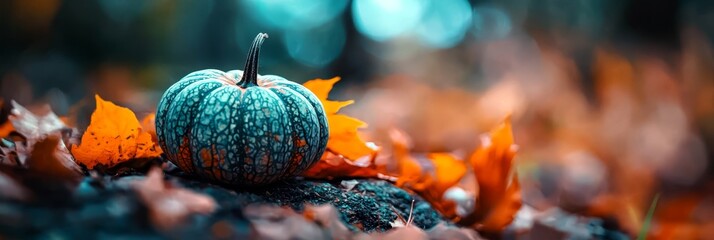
(108, 207)
(371, 205)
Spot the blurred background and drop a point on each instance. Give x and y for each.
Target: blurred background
(612, 100)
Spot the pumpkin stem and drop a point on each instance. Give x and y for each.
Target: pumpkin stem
(250, 72)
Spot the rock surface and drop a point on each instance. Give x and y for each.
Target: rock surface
(105, 207)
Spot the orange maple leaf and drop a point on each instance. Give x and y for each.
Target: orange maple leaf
(333, 165)
(6, 128)
(446, 171)
(344, 138)
(499, 190)
(410, 172)
(113, 136)
(148, 124)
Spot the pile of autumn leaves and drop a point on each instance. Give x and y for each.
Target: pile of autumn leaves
(480, 191)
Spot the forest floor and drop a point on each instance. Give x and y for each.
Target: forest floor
(113, 208)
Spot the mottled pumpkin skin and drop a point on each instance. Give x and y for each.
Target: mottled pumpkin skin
(213, 128)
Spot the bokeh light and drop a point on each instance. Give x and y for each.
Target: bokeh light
(445, 24)
(384, 20)
(316, 47)
(295, 14)
(490, 23)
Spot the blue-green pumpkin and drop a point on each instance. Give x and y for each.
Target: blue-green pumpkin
(241, 128)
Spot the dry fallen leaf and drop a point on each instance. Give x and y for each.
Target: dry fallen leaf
(499, 195)
(333, 166)
(439, 179)
(443, 172)
(448, 171)
(12, 153)
(344, 138)
(410, 173)
(273, 222)
(47, 160)
(6, 127)
(38, 128)
(347, 154)
(402, 233)
(11, 188)
(169, 206)
(45, 174)
(113, 136)
(443, 231)
(34, 127)
(328, 217)
(148, 123)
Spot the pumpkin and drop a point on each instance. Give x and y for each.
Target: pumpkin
(241, 128)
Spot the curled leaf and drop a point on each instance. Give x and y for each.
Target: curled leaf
(448, 170)
(430, 178)
(114, 135)
(499, 195)
(411, 173)
(6, 127)
(38, 128)
(32, 126)
(344, 138)
(333, 166)
(347, 154)
(148, 123)
(52, 163)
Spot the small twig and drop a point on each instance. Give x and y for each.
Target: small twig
(398, 215)
(411, 216)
